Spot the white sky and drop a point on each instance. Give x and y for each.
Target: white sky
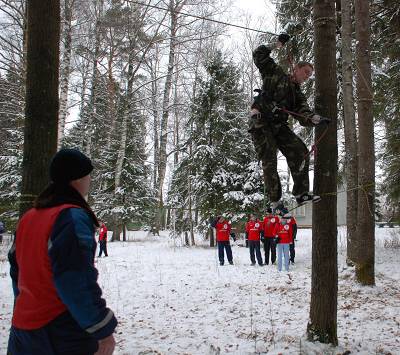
(259, 9)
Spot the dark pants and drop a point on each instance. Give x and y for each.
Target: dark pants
(103, 247)
(267, 140)
(62, 336)
(270, 245)
(254, 246)
(227, 246)
(292, 252)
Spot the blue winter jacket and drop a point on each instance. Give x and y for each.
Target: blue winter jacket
(71, 251)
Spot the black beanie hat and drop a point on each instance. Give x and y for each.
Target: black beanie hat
(68, 165)
(284, 211)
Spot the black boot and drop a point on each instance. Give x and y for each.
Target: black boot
(307, 197)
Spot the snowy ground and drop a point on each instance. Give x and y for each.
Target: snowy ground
(177, 300)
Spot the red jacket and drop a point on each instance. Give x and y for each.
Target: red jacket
(103, 233)
(271, 226)
(285, 233)
(223, 231)
(254, 228)
(37, 302)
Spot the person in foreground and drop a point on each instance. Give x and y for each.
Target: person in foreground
(58, 308)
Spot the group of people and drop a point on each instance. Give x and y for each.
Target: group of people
(277, 230)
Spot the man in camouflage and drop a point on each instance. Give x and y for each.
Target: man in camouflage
(268, 123)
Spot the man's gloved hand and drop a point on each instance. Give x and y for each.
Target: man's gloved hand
(283, 38)
(317, 119)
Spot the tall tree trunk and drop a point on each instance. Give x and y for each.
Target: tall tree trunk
(176, 115)
(322, 325)
(95, 58)
(65, 69)
(190, 213)
(365, 260)
(124, 232)
(194, 221)
(85, 78)
(350, 132)
(166, 100)
(24, 44)
(124, 132)
(41, 107)
(211, 236)
(111, 90)
(156, 120)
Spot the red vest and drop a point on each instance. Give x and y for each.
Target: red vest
(223, 231)
(103, 233)
(37, 303)
(271, 225)
(253, 228)
(285, 233)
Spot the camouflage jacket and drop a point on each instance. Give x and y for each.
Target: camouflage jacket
(279, 89)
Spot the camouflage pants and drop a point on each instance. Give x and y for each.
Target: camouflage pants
(267, 140)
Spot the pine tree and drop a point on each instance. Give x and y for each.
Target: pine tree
(222, 169)
(385, 22)
(11, 142)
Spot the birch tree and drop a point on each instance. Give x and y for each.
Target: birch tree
(65, 72)
(349, 128)
(98, 8)
(174, 7)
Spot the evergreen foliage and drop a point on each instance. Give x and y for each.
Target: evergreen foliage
(221, 168)
(386, 69)
(11, 142)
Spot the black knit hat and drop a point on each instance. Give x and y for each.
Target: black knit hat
(68, 165)
(284, 211)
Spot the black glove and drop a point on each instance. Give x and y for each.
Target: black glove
(277, 239)
(233, 236)
(283, 38)
(325, 120)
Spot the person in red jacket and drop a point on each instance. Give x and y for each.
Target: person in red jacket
(285, 238)
(103, 240)
(254, 228)
(270, 224)
(223, 231)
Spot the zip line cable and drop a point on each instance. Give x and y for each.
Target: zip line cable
(203, 18)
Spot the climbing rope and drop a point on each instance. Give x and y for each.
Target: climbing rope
(322, 135)
(202, 18)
